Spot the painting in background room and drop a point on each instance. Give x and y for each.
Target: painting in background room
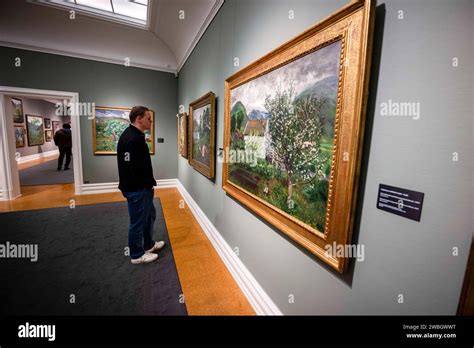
(20, 140)
(47, 123)
(202, 135)
(56, 126)
(48, 135)
(35, 130)
(293, 129)
(183, 134)
(17, 107)
(109, 124)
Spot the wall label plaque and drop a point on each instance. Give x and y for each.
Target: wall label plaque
(400, 201)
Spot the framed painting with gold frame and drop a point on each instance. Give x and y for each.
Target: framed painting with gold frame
(293, 130)
(20, 136)
(17, 106)
(108, 125)
(202, 128)
(48, 135)
(183, 134)
(35, 130)
(56, 126)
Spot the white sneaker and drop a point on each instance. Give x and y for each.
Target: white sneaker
(156, 247)
(146, 258)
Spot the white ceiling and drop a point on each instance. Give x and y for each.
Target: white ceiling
(164, 46)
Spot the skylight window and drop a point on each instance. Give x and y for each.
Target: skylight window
(132, 12)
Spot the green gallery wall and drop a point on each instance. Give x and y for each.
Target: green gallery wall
(412, 62)
(104, 84)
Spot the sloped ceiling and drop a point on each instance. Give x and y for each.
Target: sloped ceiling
(165, 46)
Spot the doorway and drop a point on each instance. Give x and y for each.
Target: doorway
(12, 161)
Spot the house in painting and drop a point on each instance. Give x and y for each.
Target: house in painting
(254, 133)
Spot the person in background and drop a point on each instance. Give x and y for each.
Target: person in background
(136, 183)
(63, 141)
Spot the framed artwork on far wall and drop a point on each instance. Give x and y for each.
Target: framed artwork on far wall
(109, 124)
(293, 130)
(183, 134)
(35, 130)
(202, 129)
(47, 123)
(17, 107)
(56, 126)
(20, 136)
(48, 135)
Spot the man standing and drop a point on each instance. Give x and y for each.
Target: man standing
(63, 140)
(136, 183)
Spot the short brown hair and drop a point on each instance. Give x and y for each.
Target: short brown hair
(137, 111)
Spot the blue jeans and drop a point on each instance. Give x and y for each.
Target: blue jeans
(142, 218)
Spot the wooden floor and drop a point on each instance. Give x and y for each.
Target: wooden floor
(208, 287)
(33, 163)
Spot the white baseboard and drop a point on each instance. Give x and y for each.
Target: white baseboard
(107, 187)
(103, 187)
(164, 183)
(24, 159)
(255, 294)
(6, 195)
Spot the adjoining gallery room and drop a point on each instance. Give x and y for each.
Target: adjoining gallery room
(43, 157)
(210, 163)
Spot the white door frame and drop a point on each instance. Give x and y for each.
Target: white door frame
(9, 182)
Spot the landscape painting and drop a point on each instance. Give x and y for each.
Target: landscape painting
(109, 124)
(293, 133)
(35, 130)
(17, 107)
(202, 135)
(20, 133)
(183, 134)
(282, 133)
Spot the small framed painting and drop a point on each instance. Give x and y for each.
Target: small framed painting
(47, 123)
(56, 127)
(48, 135)
(35, 130)
(17, 107)
(20, 133)
(202, 130)
(183, 134)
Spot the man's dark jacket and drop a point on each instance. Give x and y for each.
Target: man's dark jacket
(134, 161)
(62, 138)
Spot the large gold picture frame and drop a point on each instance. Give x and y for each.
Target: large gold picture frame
(203, 150)
(351, 29)
(183, 134)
